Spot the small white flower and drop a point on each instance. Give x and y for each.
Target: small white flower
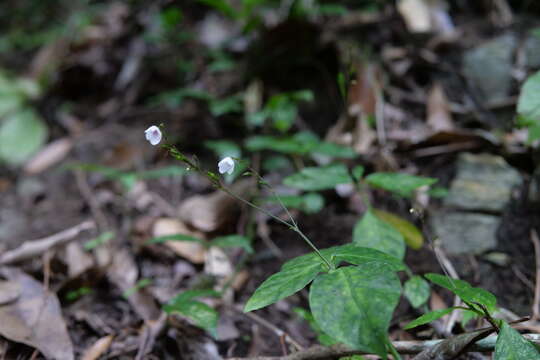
(153, 134)
(226, 165)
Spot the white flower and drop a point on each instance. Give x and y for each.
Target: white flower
(153, 134)
(226, 165)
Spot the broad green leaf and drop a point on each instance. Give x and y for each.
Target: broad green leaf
(309, 203)
(357, 255)
(375, 233)
(417, 291)
(429, 317)
(413, 237)
(319, 178)
(201, 314)
(529, 102)
(399, 183)
(231, 104)
(282, 111)
(175, 237)
(289, 280)
(354, 305)
(322, 338)
(233, 241)
(511, 345)
(22, 133)
(465, 291)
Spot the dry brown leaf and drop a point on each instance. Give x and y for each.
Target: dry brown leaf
(439, 117)
(98, 348)
(209, 213)
(416, 15)
(217, 263)
(9, 291)
(190, 250)
(124, 274)
(35, 318)
(50, 155)
(78, 260)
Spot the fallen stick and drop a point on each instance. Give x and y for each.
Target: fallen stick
(32, 248)
(403, 347)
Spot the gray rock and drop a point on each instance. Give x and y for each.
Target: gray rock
(483, 182)
(488, 67)
(532, 49)
(465, 233)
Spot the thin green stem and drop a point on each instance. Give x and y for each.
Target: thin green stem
(393, 350)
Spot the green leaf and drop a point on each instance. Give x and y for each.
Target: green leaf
(201, 314)
(193, 294)
(293, 277)
(429, 317)
(375, 233)
(299, 144)
(175, 237)
(282, 111)
(319, 178)
(138, 286)
(417, 291)
(511, 345)
(322, 338)
(231, 104)
(354, 305)
(398, 183)
(309, 203)
(465, 291)
(22, 133)
(100, 240)
(222, 6)
(357, 255)
(233, 241)
(529, 102)
(413, 237)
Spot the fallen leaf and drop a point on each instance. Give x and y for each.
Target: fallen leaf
(193, 251)
(50, 155)
(9, 291)
(217, 263)
(209, 213)
(98, 348)
(35, 318)
(439, 117)
(416, 15)
(78, 260)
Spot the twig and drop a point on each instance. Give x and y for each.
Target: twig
(86, 193)
(536, 301)
(402, 347)
(279, 333)
(29, 249)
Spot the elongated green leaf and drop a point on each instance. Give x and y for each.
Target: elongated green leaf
(358, 255)
(233, 241)
(193, 294)
(465, 291)
(398, 183)
(429, 317)
(335, 150)
(309, 203)
(511, 345)
(300, 144)
(375, 233)
(417, 291)
(413, 237)
(354, 305)
(282, 284)
(319, 178)
(175, 237)
(201, 314)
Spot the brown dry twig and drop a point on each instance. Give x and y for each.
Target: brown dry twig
(30, 249)
(403, 347)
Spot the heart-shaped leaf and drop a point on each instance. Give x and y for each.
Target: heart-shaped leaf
(416, 290)
(21, 134)
(511, 345)
(354, 304)
(429, 317)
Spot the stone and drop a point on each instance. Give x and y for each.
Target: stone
(483, 182)
(488, 67)
(532, 49)
(465, 233)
